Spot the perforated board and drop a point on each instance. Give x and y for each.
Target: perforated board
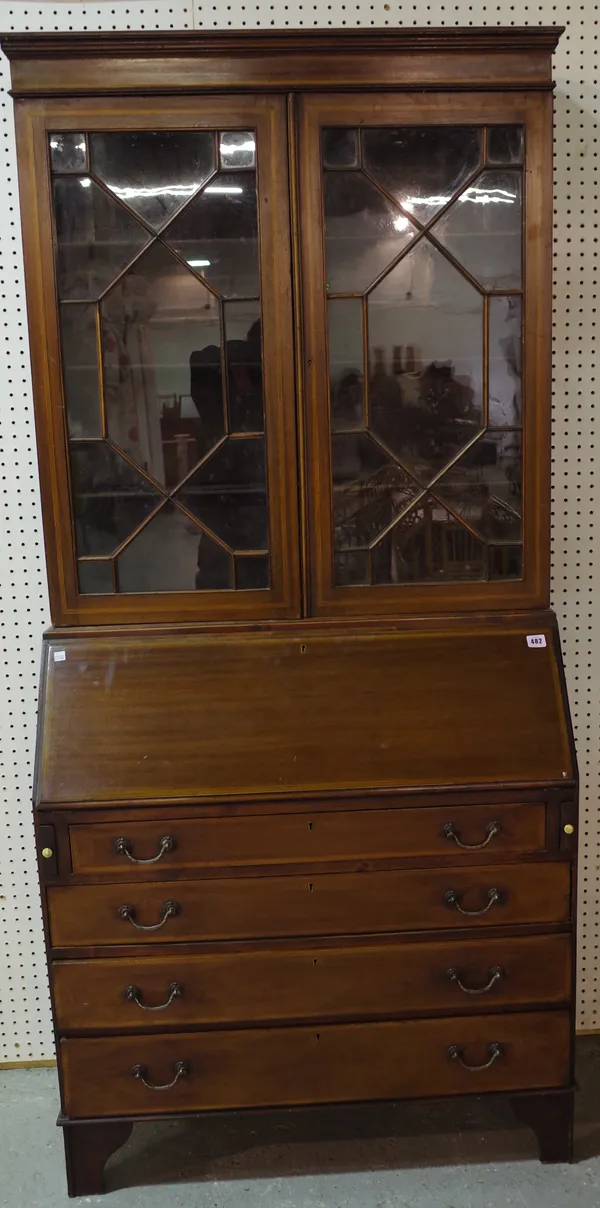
(25, 1033)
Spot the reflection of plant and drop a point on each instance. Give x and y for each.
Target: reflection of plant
(365, 507)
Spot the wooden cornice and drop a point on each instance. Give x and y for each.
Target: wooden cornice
(152, 62)
(157, 43)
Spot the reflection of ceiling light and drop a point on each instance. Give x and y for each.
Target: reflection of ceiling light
(85, 182)
(54, 143)
(230, 149)
(164, 191)
(401, 223)
(80, 146)
(482, 196)
(486, 196)
(198, 263)
(224, 189)
(409, 203)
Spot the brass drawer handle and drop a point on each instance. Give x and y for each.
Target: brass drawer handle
(123, 848)
(452, 898)
(169, 909)
(494, 974)
(492, 829)
(181, 1069)
(132, 994)
(495, 1051)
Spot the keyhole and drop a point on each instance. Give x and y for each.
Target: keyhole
(310, 887)
(310, 826)
(303, 649)
(315, 962)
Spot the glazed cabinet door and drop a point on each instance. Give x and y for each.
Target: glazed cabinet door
(160, 308)
(425, 241)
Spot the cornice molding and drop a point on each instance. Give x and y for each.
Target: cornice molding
(155, 43)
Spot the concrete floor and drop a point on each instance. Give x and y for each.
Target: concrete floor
(445, 1156)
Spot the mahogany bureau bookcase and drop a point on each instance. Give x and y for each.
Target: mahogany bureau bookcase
(306, 791)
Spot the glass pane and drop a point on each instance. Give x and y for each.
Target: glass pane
(505, 144)
(425, 394)
(351, 567)
(429, 546)
(68, 152)
(482, 230)
(110, 499)
(161, 346)
(244, 367)
(340, 148)
(154, 173)
(95, 578)
(237, 149)
(81, 382)
(423, 166)
(346, 362)
(506, 562)
(228, 494)
(218, 235)
(369, 490)
(505, 348)
(172, 554)
(485, 486)
(364, 232)
(252, 574)
(96, 237)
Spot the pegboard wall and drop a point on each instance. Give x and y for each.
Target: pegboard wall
(25, 1032)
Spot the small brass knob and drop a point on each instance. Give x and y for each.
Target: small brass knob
(569, 829)
(47, 853)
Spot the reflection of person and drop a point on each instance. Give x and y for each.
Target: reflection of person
(244, 384)
(129, 376)
(245, 414)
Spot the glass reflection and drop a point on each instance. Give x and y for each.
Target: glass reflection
(505, 349)
(505, 144)
(346, 362)
(482, 230)
(340, 148)
(217, 235)
(110, 499)
(426, 391)
(96, 237)
(237, 149)
(351, 568)
(228, 494)
(428, 545)
(369, 490)
(95, 578)
(506, 562)
(244, 367)
(485, 486)
(161, 345)
(423, 166)
(154, 173)
(68, 152)
(364, 232)
(252, 572)
(81, 383)
(172, 554)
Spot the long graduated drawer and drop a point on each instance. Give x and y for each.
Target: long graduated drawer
(336, 1063)
(330, 904)
(327, 981)
(126, 849)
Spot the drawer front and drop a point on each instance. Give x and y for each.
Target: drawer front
(336, 1063)
(371, 980)
(331, 904)
(451, 831)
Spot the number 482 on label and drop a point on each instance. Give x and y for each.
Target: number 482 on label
(536, 639)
